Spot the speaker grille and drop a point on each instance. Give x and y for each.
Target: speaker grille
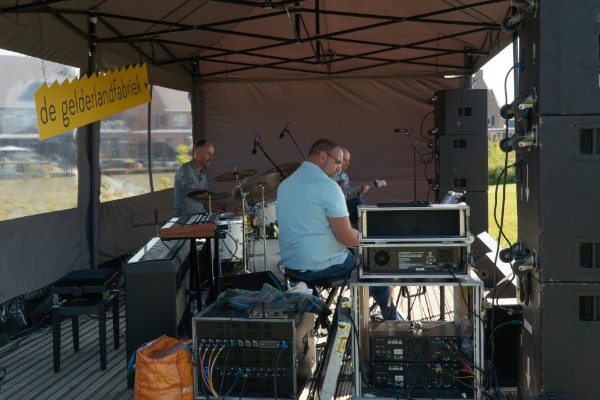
(417, 375)
(417, 349)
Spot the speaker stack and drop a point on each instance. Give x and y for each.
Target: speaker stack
(557, 140)
(461, 137)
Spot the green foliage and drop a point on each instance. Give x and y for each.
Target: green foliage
(496, 162)
(508, 221)
(165, 183)
(183, 154)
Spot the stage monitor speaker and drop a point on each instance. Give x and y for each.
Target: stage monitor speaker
(253, 281)
(504, 322)
(461, 111)
(482, 263)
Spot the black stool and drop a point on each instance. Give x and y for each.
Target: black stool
(330, 285)
(86, 291)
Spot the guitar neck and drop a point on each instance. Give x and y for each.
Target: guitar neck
(357, 188)
(379, 183)
(353, 189)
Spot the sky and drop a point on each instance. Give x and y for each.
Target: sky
(494, 74)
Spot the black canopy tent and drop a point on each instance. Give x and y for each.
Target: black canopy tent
(186, 40)
(347, 69)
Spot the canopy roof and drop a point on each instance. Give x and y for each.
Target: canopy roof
(261, 38)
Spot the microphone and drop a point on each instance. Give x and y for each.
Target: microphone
(403, 130)
(256, 140)
(284, 130)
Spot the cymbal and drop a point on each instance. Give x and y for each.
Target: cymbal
(198, 194)
(286, 168)
(254, 186)
(233, 175)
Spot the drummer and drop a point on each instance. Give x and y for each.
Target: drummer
(192, 176)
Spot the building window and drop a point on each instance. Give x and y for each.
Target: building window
(179, 120)
(491, 120)
(161, 121)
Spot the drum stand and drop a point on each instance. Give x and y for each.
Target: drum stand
(213, 248)
(263, 223)
(243, 196)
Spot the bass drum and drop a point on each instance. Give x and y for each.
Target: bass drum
(256, 261)
(231, 239)
(270, 214)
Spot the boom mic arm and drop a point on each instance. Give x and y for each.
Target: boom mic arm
(285, 129)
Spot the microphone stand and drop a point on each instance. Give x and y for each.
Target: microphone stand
(294, 140)
(415, 151)
(259, 145)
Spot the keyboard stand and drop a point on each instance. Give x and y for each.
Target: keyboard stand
(209, 261)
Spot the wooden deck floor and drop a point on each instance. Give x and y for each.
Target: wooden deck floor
(29, 365)
(29, 370)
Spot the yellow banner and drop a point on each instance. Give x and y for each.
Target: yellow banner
(69, 105)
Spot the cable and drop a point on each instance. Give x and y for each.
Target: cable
(245, 376)
(212, 366)
(502, 179)
(224, 243)
(235, 381)
(224, 369)
(469, 310)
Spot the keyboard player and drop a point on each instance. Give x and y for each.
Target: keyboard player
(191, 178)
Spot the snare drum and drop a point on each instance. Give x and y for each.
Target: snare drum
(231, 239)
(270, 214)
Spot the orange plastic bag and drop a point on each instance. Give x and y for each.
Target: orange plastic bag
(164, 370)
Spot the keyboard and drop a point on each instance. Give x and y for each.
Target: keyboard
(193, 226)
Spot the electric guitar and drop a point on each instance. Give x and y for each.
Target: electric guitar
(378, 183)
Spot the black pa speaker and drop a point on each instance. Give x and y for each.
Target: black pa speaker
(253, 281)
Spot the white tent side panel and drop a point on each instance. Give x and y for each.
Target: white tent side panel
(360, 114)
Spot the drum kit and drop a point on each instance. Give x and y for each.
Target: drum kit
(258, 218)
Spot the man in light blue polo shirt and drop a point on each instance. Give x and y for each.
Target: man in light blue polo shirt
(314, 228)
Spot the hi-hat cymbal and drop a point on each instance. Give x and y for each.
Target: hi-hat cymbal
(256, 186)
(198, 194)
(236, 174)
(286, 168)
